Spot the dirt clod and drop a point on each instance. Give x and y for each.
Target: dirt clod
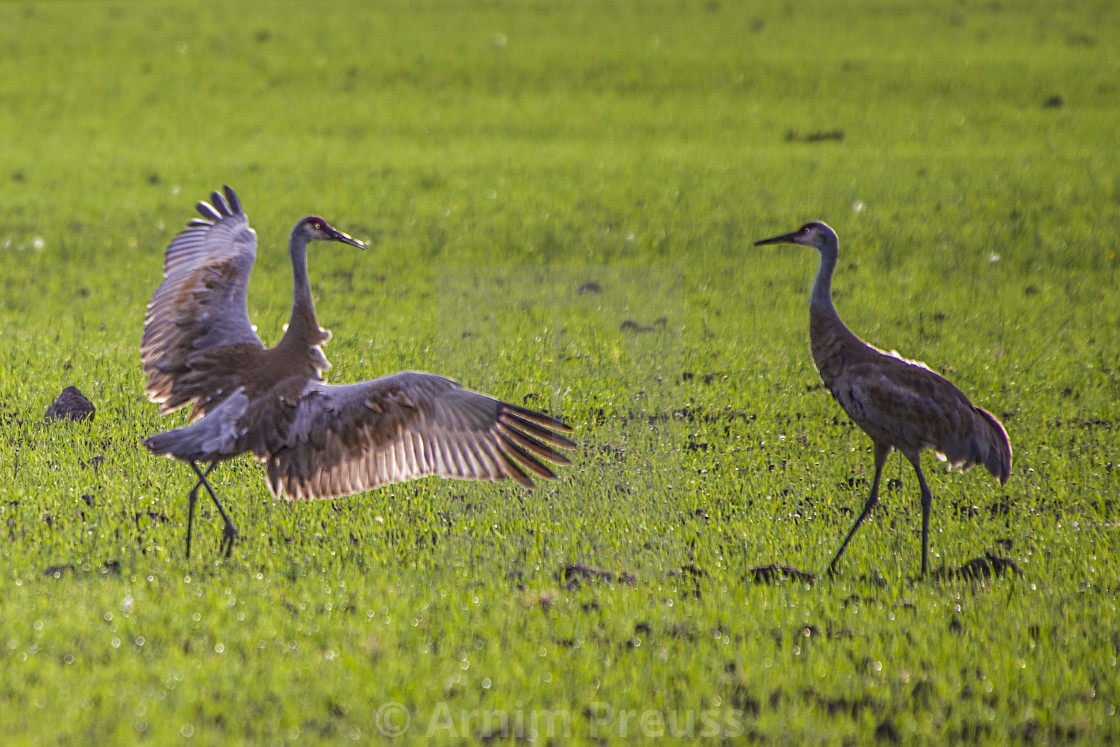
(70, 405)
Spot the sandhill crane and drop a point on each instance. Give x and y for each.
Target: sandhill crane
(900, 404)
(319, 440)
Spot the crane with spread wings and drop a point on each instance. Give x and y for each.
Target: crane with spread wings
(318, 440)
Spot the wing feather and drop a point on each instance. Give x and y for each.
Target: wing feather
(515, 472)
(910, 407)
(346, 439)
(529, 444)
(523, 425)
(200, 307)
(509, 446)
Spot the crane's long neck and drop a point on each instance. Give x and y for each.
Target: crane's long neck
(303, 334)
(303, 308)
(821, 300)
(831, 341)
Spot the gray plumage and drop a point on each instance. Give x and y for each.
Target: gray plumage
(209, 439)
(900, 404)
(318, 440)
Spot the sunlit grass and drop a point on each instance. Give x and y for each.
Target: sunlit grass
(560, 200)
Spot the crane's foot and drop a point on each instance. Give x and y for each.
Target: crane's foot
(229, 536)
(230, 533)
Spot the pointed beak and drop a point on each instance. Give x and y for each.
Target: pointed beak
(785, 238)
(347, 239)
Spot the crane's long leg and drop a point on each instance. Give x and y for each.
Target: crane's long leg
(191, 500)
(230, 533)
(881, 453)
(927, 502)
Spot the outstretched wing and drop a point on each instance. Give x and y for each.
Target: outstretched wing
(200, 307)
(346, 439)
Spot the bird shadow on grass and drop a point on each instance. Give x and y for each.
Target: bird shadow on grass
(109, 567)
(985, 566)
(573, 575)
(777, 572)
(982, 567)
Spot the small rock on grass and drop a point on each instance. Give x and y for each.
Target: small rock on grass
(70, 405)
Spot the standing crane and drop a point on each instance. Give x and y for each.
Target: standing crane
(319, 440)
(900, 404)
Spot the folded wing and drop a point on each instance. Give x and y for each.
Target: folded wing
(909, 406)
(346, 439)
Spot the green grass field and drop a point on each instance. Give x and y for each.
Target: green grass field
(561, 200)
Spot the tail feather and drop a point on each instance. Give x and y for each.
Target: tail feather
(212, 438)
(162, 443)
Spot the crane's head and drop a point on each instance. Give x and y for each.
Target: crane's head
(815, 234)
(315, 228)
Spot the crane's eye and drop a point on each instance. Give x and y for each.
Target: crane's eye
(805, 229)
